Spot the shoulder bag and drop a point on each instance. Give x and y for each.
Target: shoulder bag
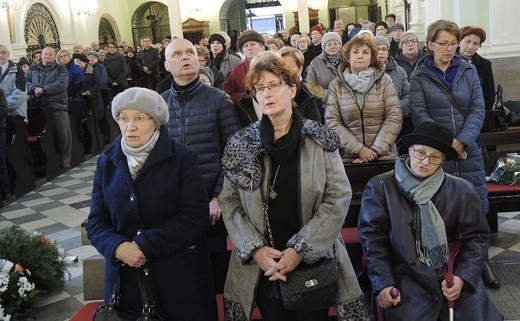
(309, 286)
(464, 114)
(114, 311)
(503, 116)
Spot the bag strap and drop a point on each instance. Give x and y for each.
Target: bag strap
(115, 299)
(464, 114)
(145, 286)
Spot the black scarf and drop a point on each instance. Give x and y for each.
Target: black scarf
(284, 147)
(217, 60)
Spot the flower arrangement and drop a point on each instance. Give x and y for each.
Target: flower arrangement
(30, 265)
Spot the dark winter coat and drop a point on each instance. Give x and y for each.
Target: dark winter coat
(385, 232)
(485, 74)
(149, 58)
(401, 84)
(116, 69)
(406, 63)
(429, 103)
(167, 202)
(91, 91)
(203, 118)
(54, 80)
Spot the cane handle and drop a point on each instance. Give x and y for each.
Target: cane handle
(448, 277)
(394, 292)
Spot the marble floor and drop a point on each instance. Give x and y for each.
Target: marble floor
(58, 207)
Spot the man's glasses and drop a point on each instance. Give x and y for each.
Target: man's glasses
(125, 120)
(421, 155)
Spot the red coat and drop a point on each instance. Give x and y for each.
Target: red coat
(234, 84)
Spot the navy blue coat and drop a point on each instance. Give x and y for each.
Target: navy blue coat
(429, 103)
(167, 202)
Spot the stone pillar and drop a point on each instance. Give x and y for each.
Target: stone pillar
(417, 18)
(5, 38)
(303, 16)
(174, 15)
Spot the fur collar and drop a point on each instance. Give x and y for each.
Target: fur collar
(242, 161)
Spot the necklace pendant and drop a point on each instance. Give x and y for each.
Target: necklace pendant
(272, 194)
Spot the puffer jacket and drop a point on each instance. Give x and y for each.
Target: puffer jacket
(325, 194)
(54, 80)
(407, 64)
(401, 84)
(429, 103)
(203, 118)
(13, 84)
(319, 72)
(374, 125)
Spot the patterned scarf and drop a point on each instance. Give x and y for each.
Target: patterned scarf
(136, 157)
(431, 242)
(333, 61)
(358, 82)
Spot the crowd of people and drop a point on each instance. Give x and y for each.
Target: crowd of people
(216, 142)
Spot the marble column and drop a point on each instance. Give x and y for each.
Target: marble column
(303, 16)
(174, 15)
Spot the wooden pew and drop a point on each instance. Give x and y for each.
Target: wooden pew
(77, 151)
(19, 158)
(47, 160)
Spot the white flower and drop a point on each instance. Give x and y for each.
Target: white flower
(24, 286)
(4, 281)
(3, 317)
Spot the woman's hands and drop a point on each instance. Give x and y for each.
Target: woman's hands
(459, 147)
(453, 293)
(277, 264)
(214, 211)
(131, 254)
(385, 299)
(365, 155)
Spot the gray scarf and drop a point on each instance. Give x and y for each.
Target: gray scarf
(431, 242)
(358, 82)
(136, 157)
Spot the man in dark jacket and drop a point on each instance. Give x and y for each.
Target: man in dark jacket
(203, 118)
(148, 61)
(47, 82)
(5, 187)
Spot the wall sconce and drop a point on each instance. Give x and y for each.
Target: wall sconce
(87, 8)
(6, 4)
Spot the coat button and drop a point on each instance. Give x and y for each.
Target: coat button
(132, 197)
(423, 293)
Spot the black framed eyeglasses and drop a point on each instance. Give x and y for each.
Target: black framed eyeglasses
(421, 155)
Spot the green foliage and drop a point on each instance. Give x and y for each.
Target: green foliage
(37, 259)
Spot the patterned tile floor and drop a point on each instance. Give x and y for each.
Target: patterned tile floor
(58, 207)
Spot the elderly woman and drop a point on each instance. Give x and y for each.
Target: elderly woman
(445, 88)
(409, 52)
(362, 105)
(408, 216)
(472, 38)
(290, 167)
(133, 223)
(324, 68)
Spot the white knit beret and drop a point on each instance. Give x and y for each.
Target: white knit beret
(144, 100)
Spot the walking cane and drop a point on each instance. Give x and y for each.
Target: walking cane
(394, 293)
(453, 249)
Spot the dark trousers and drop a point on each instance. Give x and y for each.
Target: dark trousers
(4, 175)
(272, 308)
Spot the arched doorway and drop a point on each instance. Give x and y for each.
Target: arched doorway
(151, 20)
(106, 32)
(40, 29)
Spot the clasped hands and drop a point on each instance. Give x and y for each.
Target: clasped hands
(365, 155)
(130, 253)
(277, 264)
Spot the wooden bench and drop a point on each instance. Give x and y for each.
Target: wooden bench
(502, 198)
(40, 127)
(19, 157)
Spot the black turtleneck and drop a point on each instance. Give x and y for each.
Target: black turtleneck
(188, 86)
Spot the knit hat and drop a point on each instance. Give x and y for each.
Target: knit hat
(217, 37)
(81, 57)
(434, 135)
(144, 100)
(23, 61)
(406, 35)
(249, 35)
(380, 40)
(330, 36)
(315, 28)
(206, 71)
(93, 53)
(397, 25)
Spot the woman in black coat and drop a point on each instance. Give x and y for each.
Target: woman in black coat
(117, 69)
(408, 217)
(472, 38)
(149, 208)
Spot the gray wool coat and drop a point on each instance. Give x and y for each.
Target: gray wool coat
(327, 194)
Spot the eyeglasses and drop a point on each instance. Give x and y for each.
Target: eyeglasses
(421, 155)
(445, 45)
(125, 120)
(382, 49)
(412, 42)
(258, 90)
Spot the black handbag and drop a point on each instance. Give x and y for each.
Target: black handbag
(503, 116)
(114, 311)
(309, 286)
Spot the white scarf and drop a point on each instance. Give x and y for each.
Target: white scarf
(136, 157)
(358, 82)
